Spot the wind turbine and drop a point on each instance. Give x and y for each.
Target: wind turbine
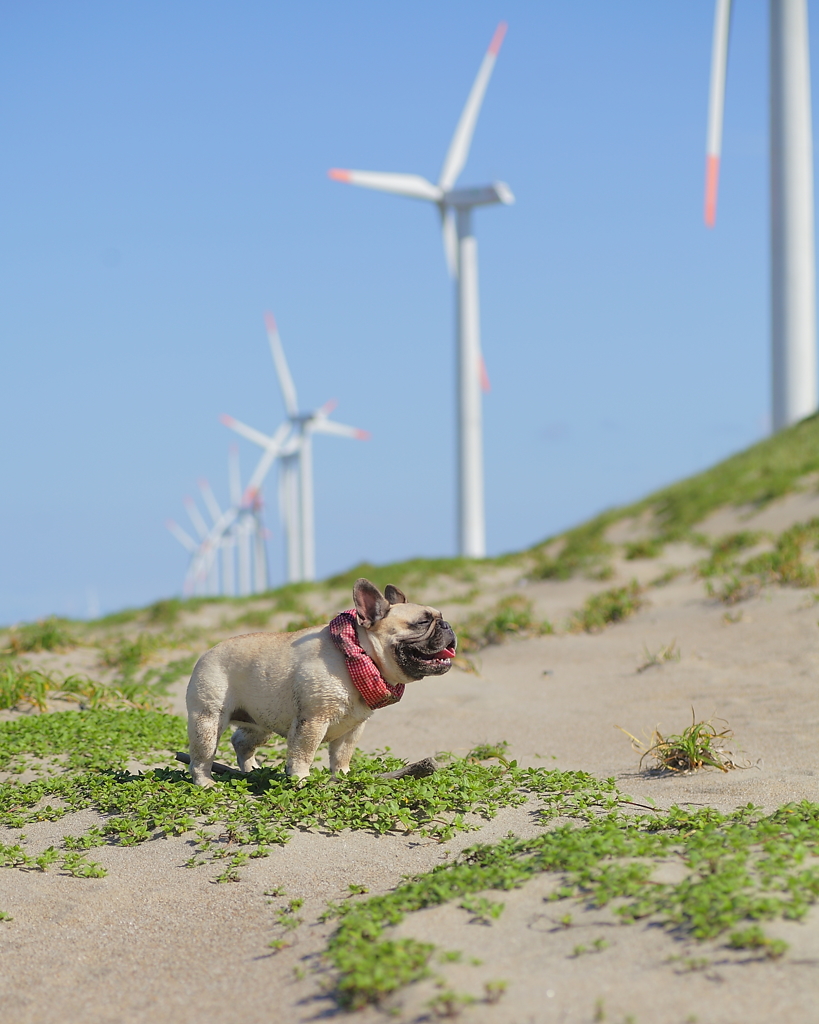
(461, 249)
(293, 445)
(238, 533)
(793, 270)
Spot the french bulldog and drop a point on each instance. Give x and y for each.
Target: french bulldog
(301, 685)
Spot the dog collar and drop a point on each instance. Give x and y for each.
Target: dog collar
(373, 687)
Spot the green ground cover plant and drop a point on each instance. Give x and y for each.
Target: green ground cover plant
(741, 868)
(256, 809)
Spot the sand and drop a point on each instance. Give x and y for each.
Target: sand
(156, 942)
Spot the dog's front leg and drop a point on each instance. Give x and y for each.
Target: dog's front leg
(342, 749)
(302, 743)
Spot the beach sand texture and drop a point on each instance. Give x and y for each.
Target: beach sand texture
(154, 942)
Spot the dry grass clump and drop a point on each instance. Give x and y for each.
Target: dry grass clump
(666, 652)
(700, 745)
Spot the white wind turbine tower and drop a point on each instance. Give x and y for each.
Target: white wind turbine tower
(461, 248)
(293, 445)
(793, 271)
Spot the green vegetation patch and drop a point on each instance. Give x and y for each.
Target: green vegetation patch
(699, 745)
(787, 564)
(741, 867)
(261, 807)
(50, 634)
(760, 474)
(100, 739)
(21, 687)
(607, 607)
(510, 617)
(415, 572)
(583, 550)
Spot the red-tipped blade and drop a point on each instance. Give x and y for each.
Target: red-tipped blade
(486, 387)
(497, 38)
(338, 175)
(711, 186)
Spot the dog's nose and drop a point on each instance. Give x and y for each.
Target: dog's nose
(445, 625)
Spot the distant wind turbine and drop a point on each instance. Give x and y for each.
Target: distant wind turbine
(793, 270)
(293, 445)
(461, 249)
(238, 533)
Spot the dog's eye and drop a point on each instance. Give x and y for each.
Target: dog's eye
(423, 623)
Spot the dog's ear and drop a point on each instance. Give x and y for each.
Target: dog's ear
(394, 595)
(370, 603)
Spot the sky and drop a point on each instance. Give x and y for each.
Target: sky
(164, 182)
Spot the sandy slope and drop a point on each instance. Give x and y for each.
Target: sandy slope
(156, 942)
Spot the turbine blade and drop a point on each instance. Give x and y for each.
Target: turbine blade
(195, 517)
(181, 535)
(291, 402)
(234, 475)
(256, 436)
(273, 450)
(327, 408)
(209, 499)
(462, 139)
(486, 386)
(716, 107)
(450, 236)
(412, 185)
(325, 426)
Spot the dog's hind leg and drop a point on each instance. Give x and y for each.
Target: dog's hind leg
(204, 729)
(246, 740)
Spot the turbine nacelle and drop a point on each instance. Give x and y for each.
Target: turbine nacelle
(485, 195)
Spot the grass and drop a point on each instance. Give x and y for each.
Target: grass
(768, 470)
(51, 634)
(511, 616)
(699, 745)
(665, 653)
(651, 547)
(607, 607)
(415, 573)
(23, 687)
(583, 549)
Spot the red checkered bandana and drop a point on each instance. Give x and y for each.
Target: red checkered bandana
(369, 682)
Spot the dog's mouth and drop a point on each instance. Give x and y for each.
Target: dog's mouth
(439, 658)
(417, 663)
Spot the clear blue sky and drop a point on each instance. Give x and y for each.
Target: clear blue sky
(163, 182)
